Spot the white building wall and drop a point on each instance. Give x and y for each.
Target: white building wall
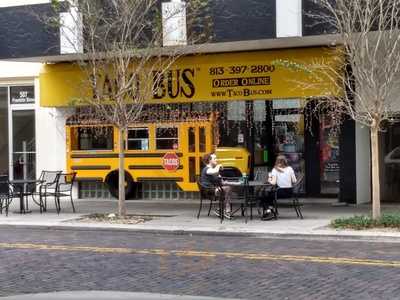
(18, 70)
(50, 122)
(7, 3)
(50, 139)
(289, 18)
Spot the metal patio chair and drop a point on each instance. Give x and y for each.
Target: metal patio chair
(46, 188)
(294, 198)
(64, 186)
(209, 194)
(6, 194)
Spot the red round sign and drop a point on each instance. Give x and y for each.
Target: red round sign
(170, 161)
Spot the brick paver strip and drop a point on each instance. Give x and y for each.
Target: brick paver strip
(226, 267)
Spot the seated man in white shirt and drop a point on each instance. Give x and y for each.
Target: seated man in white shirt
(283, 176)
(211, 178)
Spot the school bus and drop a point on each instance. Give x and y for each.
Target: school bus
(170, 151)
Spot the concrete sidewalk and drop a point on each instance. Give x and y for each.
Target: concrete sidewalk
(180, 217)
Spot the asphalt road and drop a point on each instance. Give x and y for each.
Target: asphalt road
(40, 261)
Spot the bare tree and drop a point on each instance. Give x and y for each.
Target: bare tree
(365, 68)
(122, 59)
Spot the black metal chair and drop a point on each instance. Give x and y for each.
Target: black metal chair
(261, 192)
(294, 198)
(6, 194)
(46, 188)
(64, 186)
(207, 193)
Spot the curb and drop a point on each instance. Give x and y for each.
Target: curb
(275, 235)
(108, 295)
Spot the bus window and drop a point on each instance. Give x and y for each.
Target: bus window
(91, 138)
(167, 138)
(192, 139)
(202, 139)
(192, 169)
(138, 139)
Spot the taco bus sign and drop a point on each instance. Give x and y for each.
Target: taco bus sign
(170, 162)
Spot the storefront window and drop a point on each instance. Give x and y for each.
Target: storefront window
(167, 138)
(288, 133)
(234, 125)
(138, 139)
(391, 164)
(4, 131)
(261, 152)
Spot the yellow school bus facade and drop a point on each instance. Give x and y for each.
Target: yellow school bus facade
(154, 152)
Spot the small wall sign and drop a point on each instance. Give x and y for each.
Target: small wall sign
(22, 94)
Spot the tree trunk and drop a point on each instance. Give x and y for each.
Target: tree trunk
(376, 186)
(121, 174)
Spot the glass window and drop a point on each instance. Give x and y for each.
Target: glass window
(167, 138)
(390, 169)
(93, 138)
(329, 157)
(288, 134)
(22, 94)
(138, 139)
(192, 139)
(202, 139)
(24, 157)
(3, 130)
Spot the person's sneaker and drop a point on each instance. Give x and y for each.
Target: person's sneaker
(228, 216)
(217, 213)
(268, 215)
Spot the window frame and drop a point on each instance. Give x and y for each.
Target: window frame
(78, 140)
(138, 139)
(156, 139)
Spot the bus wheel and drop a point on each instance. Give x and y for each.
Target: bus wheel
(112, 183)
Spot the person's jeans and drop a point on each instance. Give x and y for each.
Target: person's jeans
(268, 200)
(227, 190)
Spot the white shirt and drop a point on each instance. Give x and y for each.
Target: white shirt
(284, 179)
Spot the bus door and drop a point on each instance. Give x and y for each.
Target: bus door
(198, 144)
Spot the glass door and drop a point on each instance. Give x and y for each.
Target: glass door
(23, 144)
(329, 157)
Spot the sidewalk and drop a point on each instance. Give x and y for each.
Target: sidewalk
(179, 217)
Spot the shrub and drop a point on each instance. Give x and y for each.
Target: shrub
(391, 220)
(355, 222)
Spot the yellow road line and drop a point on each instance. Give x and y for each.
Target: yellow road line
(188, 253)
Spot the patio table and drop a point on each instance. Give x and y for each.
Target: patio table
(20, 185)
(249, 189)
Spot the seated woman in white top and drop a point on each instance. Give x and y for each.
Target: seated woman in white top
(283, 176)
